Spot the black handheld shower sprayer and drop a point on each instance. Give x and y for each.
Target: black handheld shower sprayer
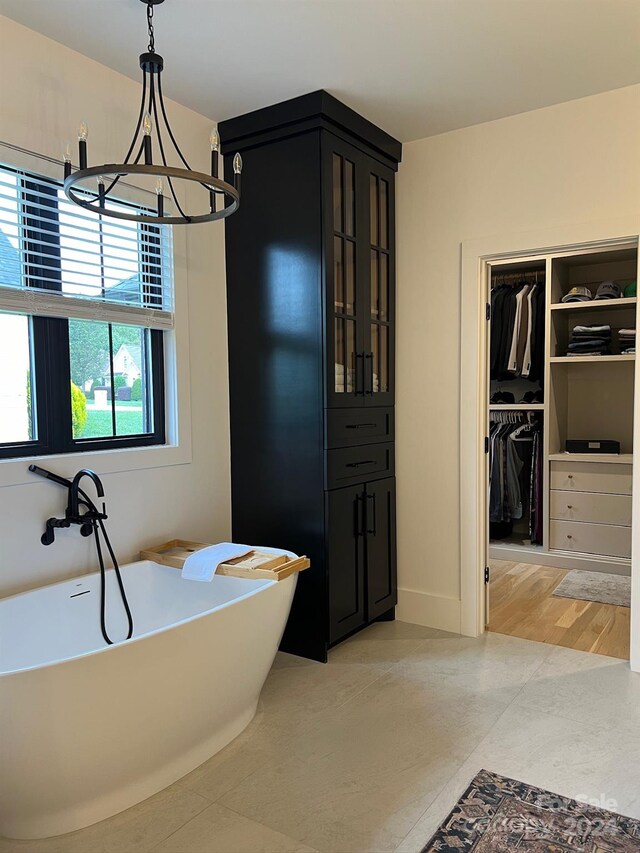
(91, 520)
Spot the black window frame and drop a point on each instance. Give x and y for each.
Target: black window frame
(50, 361)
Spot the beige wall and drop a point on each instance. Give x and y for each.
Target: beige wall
(45, 91)
(572, 163)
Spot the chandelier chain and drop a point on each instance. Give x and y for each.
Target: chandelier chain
(152, 45)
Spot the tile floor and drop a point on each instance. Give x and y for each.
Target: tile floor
(371, 751)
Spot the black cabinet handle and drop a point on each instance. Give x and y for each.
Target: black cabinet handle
(359, 374)
(359, 509)
(360, 426)
(371, 530)
(358, 464)
(369, 384)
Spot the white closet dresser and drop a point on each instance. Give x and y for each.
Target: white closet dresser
(590, 507)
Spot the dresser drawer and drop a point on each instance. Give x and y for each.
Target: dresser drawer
(605, 540)
(348, 427)
(349, 465)
(608, 477)
(591, 507)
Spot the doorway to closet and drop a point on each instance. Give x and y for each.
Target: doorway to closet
(559, 426)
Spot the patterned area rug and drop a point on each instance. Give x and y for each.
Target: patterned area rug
(595, 586)
(500, 815)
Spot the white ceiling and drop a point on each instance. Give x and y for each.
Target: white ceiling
(415, 67)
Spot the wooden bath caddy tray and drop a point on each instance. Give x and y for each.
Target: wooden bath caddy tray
(254, 565)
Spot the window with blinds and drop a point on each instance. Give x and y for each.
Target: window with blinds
(84, 302)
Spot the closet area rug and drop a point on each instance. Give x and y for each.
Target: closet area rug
(595, 586)
(500, 815)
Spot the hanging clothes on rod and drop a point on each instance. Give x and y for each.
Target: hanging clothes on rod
(517, 326)
(515, 473)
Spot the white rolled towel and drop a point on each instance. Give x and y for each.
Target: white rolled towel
(202, 564)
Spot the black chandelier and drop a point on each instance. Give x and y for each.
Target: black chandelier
(151, 116)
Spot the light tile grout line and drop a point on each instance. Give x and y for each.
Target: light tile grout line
(551, 649)
(480, 742)
(272, 829)
(382, 673)
(167, 837)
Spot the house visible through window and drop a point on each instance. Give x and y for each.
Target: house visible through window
(84, 303)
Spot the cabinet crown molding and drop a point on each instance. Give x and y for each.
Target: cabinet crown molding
(316, 110)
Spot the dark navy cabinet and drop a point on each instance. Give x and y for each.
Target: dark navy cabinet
(311, 320)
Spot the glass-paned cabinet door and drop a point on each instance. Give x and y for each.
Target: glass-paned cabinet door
(379, 349)
(345, 372)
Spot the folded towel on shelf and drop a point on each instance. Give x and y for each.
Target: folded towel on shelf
(202, 564)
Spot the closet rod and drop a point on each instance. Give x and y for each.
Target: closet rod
(516, 276)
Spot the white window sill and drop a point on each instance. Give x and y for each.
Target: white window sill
(15, 472)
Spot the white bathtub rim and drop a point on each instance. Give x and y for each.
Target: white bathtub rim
(115, 802)
(83, 655)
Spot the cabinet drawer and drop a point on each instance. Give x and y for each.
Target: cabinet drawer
(347, 465)
(609, 477)
(606, 540)
(591, 507)
(349, 427)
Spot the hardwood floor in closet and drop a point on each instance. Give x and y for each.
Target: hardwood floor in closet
(523, 605)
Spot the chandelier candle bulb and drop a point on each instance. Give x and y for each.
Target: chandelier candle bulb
(147, 127)
(160, 195)
(66, 157)
(214, 139)
(83, 132)
(237, 170)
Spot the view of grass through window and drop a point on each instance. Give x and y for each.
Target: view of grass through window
(103, 408)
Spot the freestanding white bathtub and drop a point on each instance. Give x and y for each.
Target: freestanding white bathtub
(86, 729)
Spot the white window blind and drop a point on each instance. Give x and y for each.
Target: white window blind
(58, 260)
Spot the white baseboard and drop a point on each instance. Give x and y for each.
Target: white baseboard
(559, 559)
(433, 611)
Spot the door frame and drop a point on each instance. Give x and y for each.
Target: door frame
(476, 255)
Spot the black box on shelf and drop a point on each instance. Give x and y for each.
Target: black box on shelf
(584, 445)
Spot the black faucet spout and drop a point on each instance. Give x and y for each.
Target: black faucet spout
(74, 491)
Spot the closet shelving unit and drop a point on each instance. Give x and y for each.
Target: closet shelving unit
(586, 397)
